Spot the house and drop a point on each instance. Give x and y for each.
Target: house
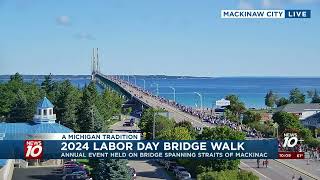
(303, 111)
(44, 121)
(312, 122)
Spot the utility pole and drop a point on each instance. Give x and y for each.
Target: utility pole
(154, 126)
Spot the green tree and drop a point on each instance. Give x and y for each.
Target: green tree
(47, 84)
(282, 101)
(90, 119)
(188, 125)
(111, 104)
(265, 127)
(219, 133)
(296, 96)
(236, 106)
(177, 133)
(67, 103)
(250, 116)
(112, 169)
(146, 122)
(18, 99)
(270, 99)
(314, 95)
(163, 125)
(227, 175)
(16, 77)
(8, 97)
(19, 111)
(286, 121)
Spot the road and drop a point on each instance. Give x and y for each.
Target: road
(278, 169)
(145, 169)
(37, 173)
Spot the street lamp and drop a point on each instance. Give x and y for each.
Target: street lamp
(135, 80)
(200, 96)
(154, 125)
(276, 126)
(174, 93)
(144, 84)
(157, 88)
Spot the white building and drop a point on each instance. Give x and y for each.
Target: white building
(303, 111)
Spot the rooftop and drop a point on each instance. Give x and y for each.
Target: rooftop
(45, 103)
(18, 131)
(296, 108)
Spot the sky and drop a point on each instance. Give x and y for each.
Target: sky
(164, 37)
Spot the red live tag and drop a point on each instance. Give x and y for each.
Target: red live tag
(33, 149)
(291, 155)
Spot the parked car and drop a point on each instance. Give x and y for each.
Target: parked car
(184, 175)
(74, 177)
(170, 165)
(128, 124)
(132, 172)
(161, 162)
(178, 169)
(132, 120)
(71, 162)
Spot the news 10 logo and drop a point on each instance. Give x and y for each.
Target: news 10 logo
(33, 149)
(290, 140)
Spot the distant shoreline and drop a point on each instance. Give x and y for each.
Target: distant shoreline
(166, 76)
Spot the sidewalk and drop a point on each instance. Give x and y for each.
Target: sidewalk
(313, 167)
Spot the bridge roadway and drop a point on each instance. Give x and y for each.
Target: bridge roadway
(277, 169)
(153, 102)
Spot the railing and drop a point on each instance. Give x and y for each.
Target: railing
(53, 116)
(7, 170)
(21, 163)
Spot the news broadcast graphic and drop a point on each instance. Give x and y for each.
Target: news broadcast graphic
(86, 136)
(265, 14)
(137, 149)
(33, 149)
(291, 147)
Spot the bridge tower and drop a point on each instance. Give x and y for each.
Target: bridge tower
(95, 66)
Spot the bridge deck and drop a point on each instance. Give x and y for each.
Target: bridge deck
(150, 101)
(275, 170)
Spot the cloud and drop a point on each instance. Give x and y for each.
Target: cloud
(244, 4)
(85, 36)
(63, 20)
(266, 3)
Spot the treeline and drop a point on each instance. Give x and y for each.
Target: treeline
(168, 129)
(83, 110)
(296, 96)
(287, 122)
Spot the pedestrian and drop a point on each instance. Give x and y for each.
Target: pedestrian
(300, 178)
(265, 163)
(258, 163)
(293, 177)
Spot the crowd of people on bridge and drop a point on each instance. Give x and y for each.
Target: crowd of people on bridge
(210, 118)
(217, 120)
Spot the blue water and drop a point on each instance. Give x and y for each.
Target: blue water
(250, 90)
(77, 80)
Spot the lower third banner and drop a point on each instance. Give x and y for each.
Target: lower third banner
(64, 149)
